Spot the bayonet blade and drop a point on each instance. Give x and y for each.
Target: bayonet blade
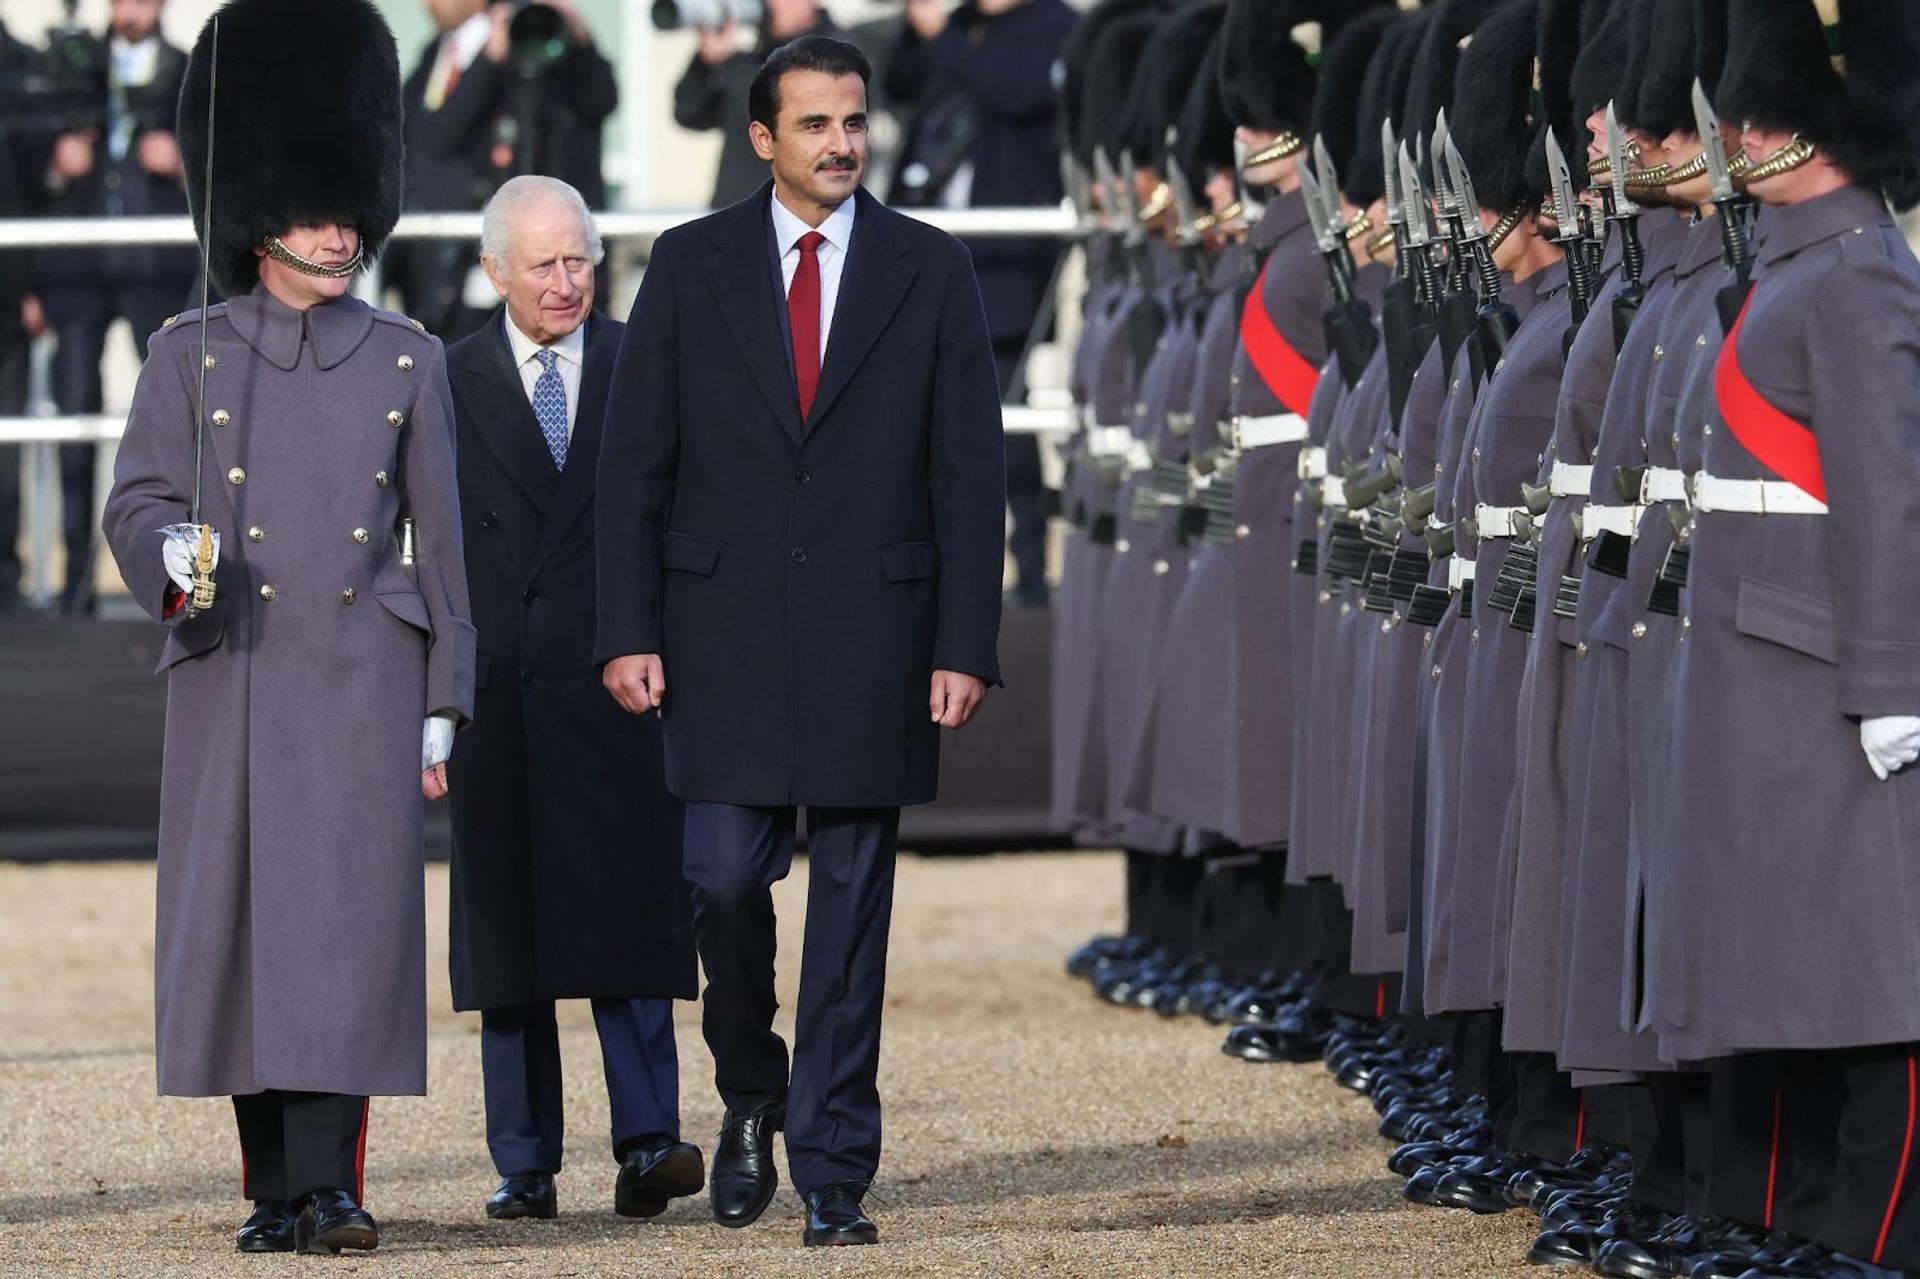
(1442, 182)
(1463, 186)
(1108, 186)
(1618, 162)
(1130, 199)
(1316, 211)
(1396, 211)
(1329, 187)
(1719, 177)
(1562, 188)
(1414, 209)
(1183, 207)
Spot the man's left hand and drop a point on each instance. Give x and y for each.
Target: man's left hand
(433, 782)
(954, 698)
(159, 153)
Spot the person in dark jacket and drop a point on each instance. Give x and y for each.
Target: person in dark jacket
(985, 136)
(566, 845)
(477, 114)
(125, 165)
(21, 316)
(712, 92)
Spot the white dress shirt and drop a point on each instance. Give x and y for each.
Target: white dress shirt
(838, 228)
(458, 48)
(572, 350)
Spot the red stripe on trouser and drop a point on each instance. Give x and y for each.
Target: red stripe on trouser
(1900, 1174)
(1773, 1162)
(1580, 1124)
(1782, 445)
(360, 1156)
(1283, 370)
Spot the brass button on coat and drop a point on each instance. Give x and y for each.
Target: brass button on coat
(346, 596)
(256, 534)
(360, 536)
(207, 362)
(1639, 630)
(379, 479)
(395, 417)
(236, 476)
(267, 592)
(406, 363)
(221, 417)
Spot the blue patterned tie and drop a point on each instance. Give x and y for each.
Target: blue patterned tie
(550, 406)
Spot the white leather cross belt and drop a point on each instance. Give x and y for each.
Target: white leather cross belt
(1246, 433)
(1313, 462)
(1596, 519)
(1754, 497)
(1459, 573)
(1662, 484)
(1108, 441)
(1333, 492)
(1495, 521)
(1568, 480)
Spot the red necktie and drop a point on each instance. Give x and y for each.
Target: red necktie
(803, 318)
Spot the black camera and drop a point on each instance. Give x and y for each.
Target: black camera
(536, 37)
(65, 88)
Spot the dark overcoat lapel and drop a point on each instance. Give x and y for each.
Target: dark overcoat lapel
(872, 286)
(575, 490)
(742, 280)
(504, 419)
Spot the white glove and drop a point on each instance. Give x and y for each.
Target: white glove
(1891, 743)
(178, 550)
(436, 741)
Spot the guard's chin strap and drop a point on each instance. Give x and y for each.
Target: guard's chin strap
(279, 252)
(1795, 153)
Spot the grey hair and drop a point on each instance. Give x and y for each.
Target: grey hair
(516, 195)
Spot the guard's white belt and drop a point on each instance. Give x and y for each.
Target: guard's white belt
(1333, 492)
(1108, 441)
(1313, 462)
(1754, 497)
(1258, 432)
(1596, 519)
(1459, 573)
(1139, 456)
(1568, 480)
(1496, 521)
(1662, 484)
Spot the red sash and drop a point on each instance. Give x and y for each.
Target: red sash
(1284, 370)
(1780, 444)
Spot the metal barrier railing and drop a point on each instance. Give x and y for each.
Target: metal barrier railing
(42, 433)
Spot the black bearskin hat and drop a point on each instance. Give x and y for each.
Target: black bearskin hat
(1206, 134)
(1557, 46)
(1664, 94)
(1111, 68)
(1172, 61)
(1266, 77)
(1365, 177)
(1076, 62)
(1430, 86)
(1495, 124)
(306, 130)
(1343, 71)
(1600, 72)
(1641, 16)
(1710, 44)
(1853, 91)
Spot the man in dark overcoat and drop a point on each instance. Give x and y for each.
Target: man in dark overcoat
(313, 700)
(800, 560)
(566, 845)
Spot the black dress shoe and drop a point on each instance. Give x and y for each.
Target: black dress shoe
(1670, 1253)
(652, 1175)
(834, 1217)
(743, 1178)
(524, 1194)
(268, 1229)
(1083, 961)
(330, 1221)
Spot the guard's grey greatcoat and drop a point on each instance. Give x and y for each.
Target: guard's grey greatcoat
(1538, 838)
(1512, 422)
(290, 946)
(1182, 772)
(1785, 823)
(1591, 1037)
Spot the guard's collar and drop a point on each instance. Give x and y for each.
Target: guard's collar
(1793, 227)
(1284, 215)
(276, 330)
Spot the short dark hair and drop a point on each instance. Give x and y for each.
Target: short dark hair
(808, 53)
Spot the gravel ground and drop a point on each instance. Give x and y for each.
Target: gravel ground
(1031, 1130)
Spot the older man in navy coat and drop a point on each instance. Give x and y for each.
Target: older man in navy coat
(566, 846)
(801, 486)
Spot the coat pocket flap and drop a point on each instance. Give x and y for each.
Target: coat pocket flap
(408, 607)
(192, 636)
(687, 553)
(909, 561)
(1785, 617)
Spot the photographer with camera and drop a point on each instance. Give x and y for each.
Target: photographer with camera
(113, 155)
(981, 76)
(504, 89)
(712, 94)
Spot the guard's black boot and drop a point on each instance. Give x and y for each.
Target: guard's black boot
(656, 1173)
(743, 1178)
(268, 1229)
(330, 1221)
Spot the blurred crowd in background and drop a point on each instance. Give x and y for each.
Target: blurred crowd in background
(963, 95)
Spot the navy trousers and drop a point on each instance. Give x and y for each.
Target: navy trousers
(733, 857)
(520, 1060)
(294, 1143)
